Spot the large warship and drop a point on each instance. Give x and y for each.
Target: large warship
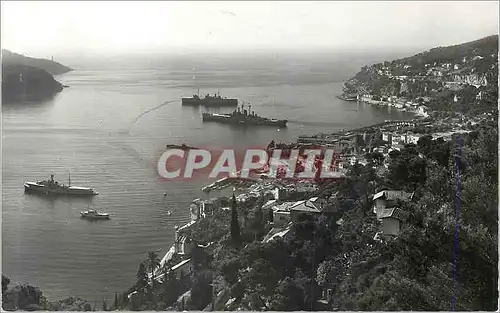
(210, 101)
(52, 187)
(243, 117)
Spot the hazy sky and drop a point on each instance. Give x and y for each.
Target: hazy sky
(45, 28)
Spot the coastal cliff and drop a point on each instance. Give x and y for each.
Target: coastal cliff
(50, 66)
(21, 82)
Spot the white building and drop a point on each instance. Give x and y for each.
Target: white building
(413, 138)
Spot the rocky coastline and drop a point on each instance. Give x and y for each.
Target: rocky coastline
(26, 79)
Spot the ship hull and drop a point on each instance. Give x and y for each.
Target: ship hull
(225, 119)
(210, 102)
(180, 147)
(69, 191)
(94, 218)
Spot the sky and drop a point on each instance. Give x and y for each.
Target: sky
(47, 28)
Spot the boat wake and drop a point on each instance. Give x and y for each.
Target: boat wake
(151, 110)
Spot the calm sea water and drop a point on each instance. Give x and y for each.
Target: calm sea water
(107, 129)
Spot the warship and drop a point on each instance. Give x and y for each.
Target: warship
(243, 117)
(210, 101)
(52, 187)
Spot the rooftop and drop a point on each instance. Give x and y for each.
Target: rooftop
(395, 213)
(393, 195)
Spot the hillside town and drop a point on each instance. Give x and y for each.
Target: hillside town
(380, 234)
(415, 84)
(285, 206)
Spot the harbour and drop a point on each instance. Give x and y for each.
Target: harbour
(116, 155)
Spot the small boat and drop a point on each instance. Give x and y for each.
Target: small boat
(169, 213)
(182, 147)
(94, 215)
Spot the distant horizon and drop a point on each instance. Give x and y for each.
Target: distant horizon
(240, 52)
(357, 57)
(43, 29)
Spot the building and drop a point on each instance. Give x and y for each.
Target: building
(305, 207)
(413, 138)
(281, 213)
(387, 137)
(392, 220)
(388, 199)
(286, 212)
(276, 232)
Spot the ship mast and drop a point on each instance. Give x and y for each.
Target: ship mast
(69, 180)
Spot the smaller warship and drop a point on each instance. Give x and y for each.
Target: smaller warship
(210, 101)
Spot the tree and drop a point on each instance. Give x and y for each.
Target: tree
(116, 303)
(142, 276)
(201, 290)
(326, 273)
(235, 226)
(5, 283)
(258, 222)
(288, 297)
(153, 262)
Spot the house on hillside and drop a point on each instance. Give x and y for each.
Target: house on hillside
(387, 209)
(281, 213)
(389, 198)
(277, 232)
(305, 207)
(392, 220)
(287, 212)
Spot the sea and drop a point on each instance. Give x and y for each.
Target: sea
(108, 128)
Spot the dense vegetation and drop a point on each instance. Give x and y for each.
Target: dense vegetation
(445, 257)
(20, 82)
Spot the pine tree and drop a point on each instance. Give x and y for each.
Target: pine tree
(235, 226)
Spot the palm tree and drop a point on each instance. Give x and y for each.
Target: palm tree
(153, 262)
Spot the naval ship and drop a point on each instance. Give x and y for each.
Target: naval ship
(210, 101)
(244, 118)
(52, 187)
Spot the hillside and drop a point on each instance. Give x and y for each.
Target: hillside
(51, 67)
(450, 71)
(21, 82)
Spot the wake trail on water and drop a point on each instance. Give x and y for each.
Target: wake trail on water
(125, 146)
(151, 110)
